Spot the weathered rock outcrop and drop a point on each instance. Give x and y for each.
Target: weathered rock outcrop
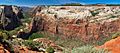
(10, 17)
(80, 22)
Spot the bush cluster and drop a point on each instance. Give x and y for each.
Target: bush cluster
(3, 35)
(35, 35)
(32, 44)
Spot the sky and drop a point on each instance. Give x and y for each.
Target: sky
(52, 2)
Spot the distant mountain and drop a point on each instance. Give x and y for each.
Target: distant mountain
(102, 4)
(72, 4)
(113, 4)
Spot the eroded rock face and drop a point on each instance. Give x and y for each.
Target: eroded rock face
(10, 17)
(85, 23)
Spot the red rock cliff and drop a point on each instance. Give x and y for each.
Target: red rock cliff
(78, 22)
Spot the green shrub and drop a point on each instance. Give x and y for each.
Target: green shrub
(112, 16)
(50, 50)
(3, 35)
(94, 13)
(15, 31)
(35, 35)
(32, 44)
(17, 41)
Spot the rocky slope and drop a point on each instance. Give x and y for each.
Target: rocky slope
(84, 22)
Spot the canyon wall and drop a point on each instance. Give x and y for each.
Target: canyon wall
(78, 21)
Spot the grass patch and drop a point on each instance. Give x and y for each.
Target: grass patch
(35, 35)
(88, 49)
(85, 49)
(50, 50)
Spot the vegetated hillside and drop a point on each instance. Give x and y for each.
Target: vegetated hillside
(59, 29)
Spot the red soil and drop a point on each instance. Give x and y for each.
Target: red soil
(112, 45)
